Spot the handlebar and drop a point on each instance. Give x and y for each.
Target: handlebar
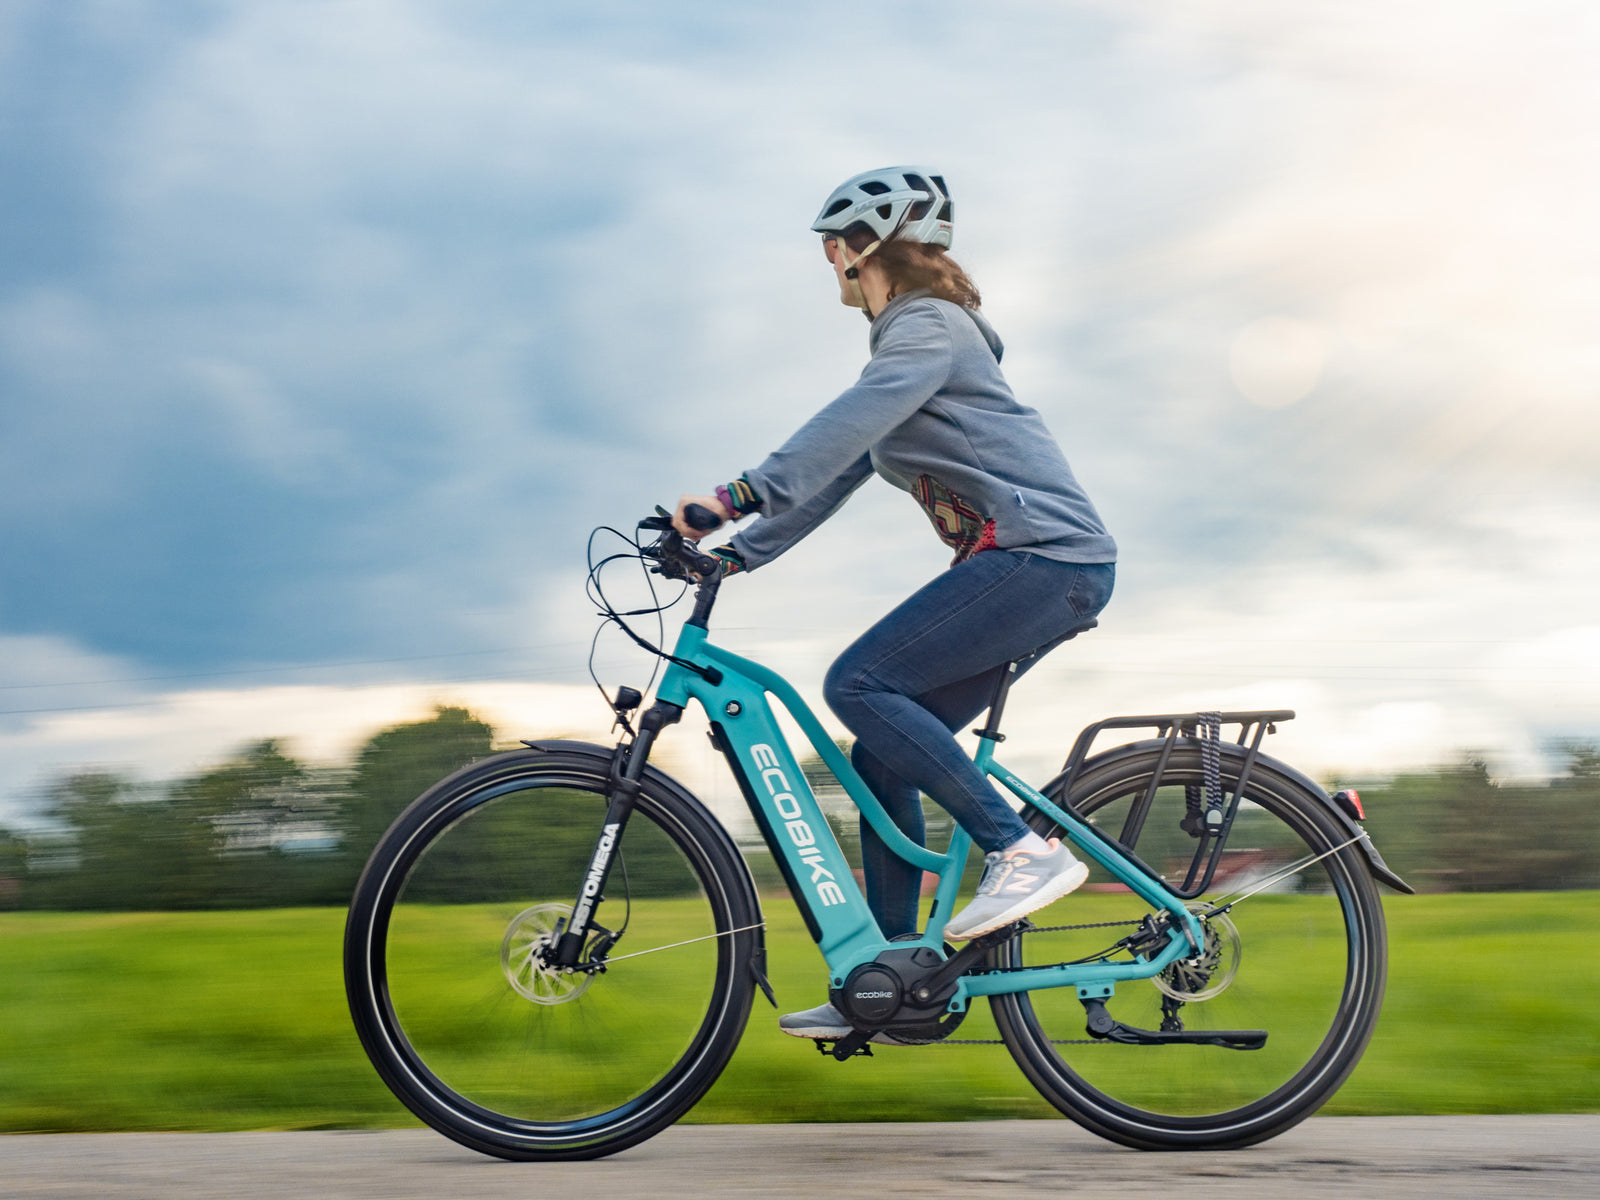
(679, 557)
(698, 516)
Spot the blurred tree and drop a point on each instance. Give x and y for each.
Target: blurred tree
(274, 827)
(520, 844)
(118, 845)
(263, 829)
(398, 765)
(1583, 762)
(1454, 828)
(13, 868)
(1573, 822)
(247, 801)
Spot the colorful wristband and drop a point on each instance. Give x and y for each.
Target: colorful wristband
(739, 497)
(732, 560)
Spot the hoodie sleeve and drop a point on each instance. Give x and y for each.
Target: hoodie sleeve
(911, 361)
(769, 537)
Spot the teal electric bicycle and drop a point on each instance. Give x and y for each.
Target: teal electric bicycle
(552, 953)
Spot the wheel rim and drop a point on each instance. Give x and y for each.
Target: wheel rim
(506, 1042)
(1299, 973)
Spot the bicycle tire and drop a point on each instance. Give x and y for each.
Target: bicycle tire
(489, 1050)
(1311, 969)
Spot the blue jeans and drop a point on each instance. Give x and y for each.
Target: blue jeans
(907, 685)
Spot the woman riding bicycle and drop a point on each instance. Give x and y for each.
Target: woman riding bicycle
(933, 415)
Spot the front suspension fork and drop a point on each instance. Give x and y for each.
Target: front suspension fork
(621, 795)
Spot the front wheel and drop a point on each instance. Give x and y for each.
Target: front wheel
(1304, 960)
(461, 1011)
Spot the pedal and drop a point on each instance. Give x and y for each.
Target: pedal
(853, 1045)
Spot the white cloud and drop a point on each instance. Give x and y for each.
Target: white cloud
(461, 282)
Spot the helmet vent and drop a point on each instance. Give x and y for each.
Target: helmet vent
(884, 210)
(837, 207)
(947, 212)
(938, 181)
(875, 187)
(921, 207)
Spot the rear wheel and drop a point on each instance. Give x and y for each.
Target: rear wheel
(1304, 960)
(465, 1016)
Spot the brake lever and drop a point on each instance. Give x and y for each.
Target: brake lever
(662, 521)
(677, 556)
(667, 552)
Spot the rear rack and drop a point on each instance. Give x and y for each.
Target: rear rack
(1253, 727)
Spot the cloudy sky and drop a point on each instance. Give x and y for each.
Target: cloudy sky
(328, 330)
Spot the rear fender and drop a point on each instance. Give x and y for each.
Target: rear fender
(1380, 870)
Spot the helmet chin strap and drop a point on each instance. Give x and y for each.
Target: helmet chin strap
(853, 273)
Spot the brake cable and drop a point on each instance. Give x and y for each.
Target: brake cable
(611, 615)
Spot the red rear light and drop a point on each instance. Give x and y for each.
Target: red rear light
(1350, 801)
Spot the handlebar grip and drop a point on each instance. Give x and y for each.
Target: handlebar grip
(698, 516)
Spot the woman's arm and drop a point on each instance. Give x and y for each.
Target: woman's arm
(911, 361)
(769, 537)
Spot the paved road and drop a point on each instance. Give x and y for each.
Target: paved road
(1328, 1156)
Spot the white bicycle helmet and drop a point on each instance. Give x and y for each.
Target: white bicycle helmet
(909, 202)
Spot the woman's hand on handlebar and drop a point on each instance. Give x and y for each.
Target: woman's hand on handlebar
(711, 504)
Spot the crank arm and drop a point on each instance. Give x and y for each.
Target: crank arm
(968, 958)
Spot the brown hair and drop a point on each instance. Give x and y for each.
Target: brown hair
(913, 265)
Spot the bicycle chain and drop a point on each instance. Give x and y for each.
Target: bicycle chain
(1061, 928)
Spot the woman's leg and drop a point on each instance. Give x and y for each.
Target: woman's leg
(937, 651)
(893, 885)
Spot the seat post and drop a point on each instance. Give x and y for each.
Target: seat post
(997, 704)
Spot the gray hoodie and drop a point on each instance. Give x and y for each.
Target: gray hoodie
(933, 415)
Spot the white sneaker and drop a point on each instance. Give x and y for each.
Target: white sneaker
(1015, 884)
(825, 1023)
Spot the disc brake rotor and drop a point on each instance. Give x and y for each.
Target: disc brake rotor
(1208, 973)
(529, 938)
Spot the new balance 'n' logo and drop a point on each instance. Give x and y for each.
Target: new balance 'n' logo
(1020, 881)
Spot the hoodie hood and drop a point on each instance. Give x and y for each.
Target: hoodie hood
(996, 346)
(989, 335)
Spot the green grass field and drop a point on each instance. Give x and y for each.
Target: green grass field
(237, 1021)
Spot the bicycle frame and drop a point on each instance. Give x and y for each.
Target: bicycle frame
(648, 1054)
(745, 729)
